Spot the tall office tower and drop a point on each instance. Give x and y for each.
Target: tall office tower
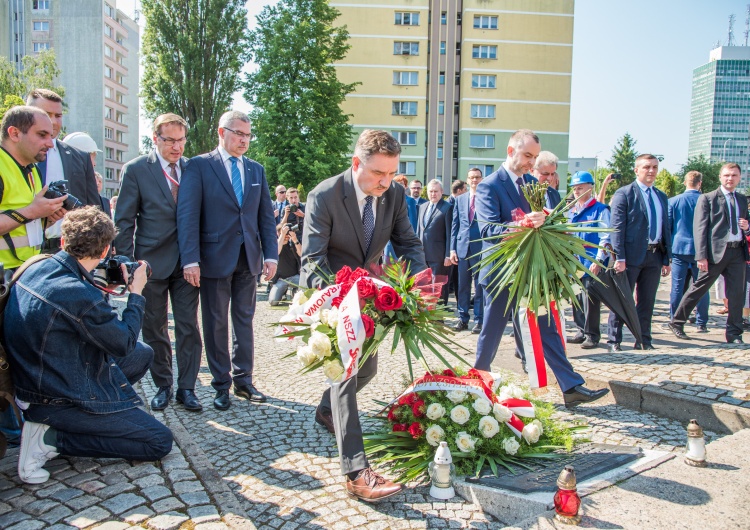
(720, 107)
(452, 79)
(96, 46)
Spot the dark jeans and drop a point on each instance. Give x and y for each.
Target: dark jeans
(130, 434)
(682, 266)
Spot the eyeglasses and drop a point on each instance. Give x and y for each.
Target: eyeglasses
(474, 177)
(169, 142)
(244, 136)
(281, 192)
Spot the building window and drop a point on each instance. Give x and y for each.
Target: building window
(407, 168)
(108, 113)
(406, 137)
(108, 30)
(109, 133)
(482, 141)
(485, 22)
(405, 78)
(483, 111)
(120, 117)
(108, 92)
(483, 81)
(440, 153)
(443, 18)
(40, 46)
(119, 155)
(442, 78)
(120, 137)
(440, 138)
(109, 153)
(407, 19)
(441, 107)
(109, 10)
(40, 5)
(405, 48)
(108, 72)
(442, 47)
(487, 169)
(109, 173)
(107, 51)
(404, 108)
(484, 52)
(40, 25)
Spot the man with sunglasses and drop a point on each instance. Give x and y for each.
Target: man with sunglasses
(227, 237)
(146, 220)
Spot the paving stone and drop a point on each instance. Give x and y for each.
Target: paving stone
(193, 498)
(113, 525)
(114, 489)
(141, 470)
(154, 493)
(123, 502)
(137, 515)
(187, 486)
(113, 468)
(165, 505)
(80, 478)
(82, 502)
(61, 527)
(37, 508)
(177, 475)
(66, 494)
(27, 525)
(56, 513)
(203, 514)
(167, 521)
(88, 517)
(211, 526)
(148, 481)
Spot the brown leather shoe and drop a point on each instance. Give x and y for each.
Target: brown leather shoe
(325, 419)
(371, 487)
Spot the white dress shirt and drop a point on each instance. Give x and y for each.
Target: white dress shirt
(361, 196)
(228, 165)
(54, 164)
(165, 168)
(657, 206)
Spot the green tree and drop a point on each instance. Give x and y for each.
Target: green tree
(39, 71)
(10, 101)
(623, 161)
(193, 51)
(303, 135)
(709, 170)
(302, 192)
(666, 182)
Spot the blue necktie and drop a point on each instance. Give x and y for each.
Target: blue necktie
(652, 220)
(236, 179)
(368, 222)
(732, 214)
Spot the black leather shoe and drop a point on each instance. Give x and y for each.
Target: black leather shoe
(221, 399)
(589, 344)
(678, 331)
(701, 329)
(250, 393)
(461, 326)
(477, 329)
(735, 341)
(578, 339)
(188, 399)
(162, 397)
(639, 346)
(518, 355)
(614, 347)
(325, 419)
(581, 394)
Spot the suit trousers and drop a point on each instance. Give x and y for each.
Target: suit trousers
(216, 294)
(683, 268)
(588, 316)
(732, 268)
(187, 335)
(644, 279)
(439, 269)
(345, 414)
(466, 276)
(496, 318)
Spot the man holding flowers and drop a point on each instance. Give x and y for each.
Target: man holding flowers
(367, 211)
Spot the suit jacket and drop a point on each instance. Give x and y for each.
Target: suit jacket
(435, 231)
(276, 205)
(212, 226)
(553, 198)
(681, 213)
(146, 216)
(712, 224)
(106, 208)
(78, 171)
(334, 236)
(413, 211)
(630, 221)
(464, 235)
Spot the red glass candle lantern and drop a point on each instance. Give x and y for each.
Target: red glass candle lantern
(567, 502)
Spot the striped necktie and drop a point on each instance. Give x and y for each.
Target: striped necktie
(236, 179)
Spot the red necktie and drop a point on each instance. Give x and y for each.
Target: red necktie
(471, 209)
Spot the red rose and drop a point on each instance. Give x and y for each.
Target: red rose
(369, 326)
(345, 288)
(367, 289)
(392, 414)
(449, 372)
(416, 430)
(418, 408)
(388, 299)
(404, 400)
(400, 427)
(412, 398)
(359, 273)
(336, 302)
(344, 274)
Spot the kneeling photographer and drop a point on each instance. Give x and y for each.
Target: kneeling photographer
(74, 360)
(290, 259)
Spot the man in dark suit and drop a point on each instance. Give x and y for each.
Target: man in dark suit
(545, 171)
(63, 162)
(298, 215)
(642, 244)
(681, 214)
(104, 201)
(719, 230)
(227, 237)
(280, 203)
(350, 218)
(465, 247)
(498, 196)
(434, 231)
(146, 223)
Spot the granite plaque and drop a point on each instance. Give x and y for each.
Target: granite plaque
(589, 460)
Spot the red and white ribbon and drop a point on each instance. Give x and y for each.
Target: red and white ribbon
(532, 342)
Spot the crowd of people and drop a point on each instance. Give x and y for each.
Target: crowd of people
(207, 229)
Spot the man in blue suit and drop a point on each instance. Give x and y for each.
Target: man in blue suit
(227, 237)
(642, 243)
(681, 213)
(434, 230)
(465, 247)
(545, 170)
(497, 197)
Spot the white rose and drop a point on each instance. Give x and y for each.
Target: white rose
(435, 411)
(320, 344)
(511, 445)
(460, 414)
(456, 396)
(324, 317)
(511, 391)
(333, 317)
(306, 356)
(531, 433)
(333, 370)
(489, 426)
(434, 435)
(299, 298)
(482, 406)
(539, 425)
(465, 442)
(501, 412)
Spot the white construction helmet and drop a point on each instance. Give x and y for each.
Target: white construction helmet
(82, 141)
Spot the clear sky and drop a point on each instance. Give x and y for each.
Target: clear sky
(632, 70)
